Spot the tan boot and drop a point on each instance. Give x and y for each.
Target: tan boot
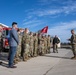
(24, 59)
(15, 62)
(19, 60)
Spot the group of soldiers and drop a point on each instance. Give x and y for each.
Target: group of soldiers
(31, 45)
(34, 44)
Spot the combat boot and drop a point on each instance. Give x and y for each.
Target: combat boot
(24, 59)
(15, 62)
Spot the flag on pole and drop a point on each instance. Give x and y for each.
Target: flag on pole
(44, 30)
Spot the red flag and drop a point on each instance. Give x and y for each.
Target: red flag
(44, 30)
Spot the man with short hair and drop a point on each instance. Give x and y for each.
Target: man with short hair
(55, 44)
(13, 42)
(73, 43)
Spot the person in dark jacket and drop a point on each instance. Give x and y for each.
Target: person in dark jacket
(13, 42)
(55, 42)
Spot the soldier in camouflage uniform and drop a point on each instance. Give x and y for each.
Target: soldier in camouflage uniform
(49, 43)
(39, 40)
(25, 41)
(18, 53)
(45, 44)
(73, 43)
(41, 46)
(35, 44)
(31, 44)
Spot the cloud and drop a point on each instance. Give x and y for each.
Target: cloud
(62, 30)
(46, 12)
(68, 7)
(35, 17)
(48, 2)
(32, 23)
(32, 15)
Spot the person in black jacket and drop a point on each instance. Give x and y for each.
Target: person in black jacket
(55, 42)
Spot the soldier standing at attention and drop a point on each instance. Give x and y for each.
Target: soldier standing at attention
(49, 43)
(45, 43)
(41, 46)
(35, 44)
(25, 41)
(39, 40)
(73, 43)
(31, 44)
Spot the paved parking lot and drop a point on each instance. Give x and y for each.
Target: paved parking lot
(50, 64)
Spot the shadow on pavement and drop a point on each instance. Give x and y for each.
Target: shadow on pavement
(4, 59)
(4, 64)
(57, 57)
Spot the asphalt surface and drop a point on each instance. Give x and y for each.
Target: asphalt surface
(50, 64)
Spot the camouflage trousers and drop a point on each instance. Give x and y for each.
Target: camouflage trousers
(74, 49)
(18, 54)
(31, 51)
(41, 50)
(45, 49)
(49, 49)
(35, 51)
(26, 52)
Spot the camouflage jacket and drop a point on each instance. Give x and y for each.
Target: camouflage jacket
(25, 38)
(73, 39)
